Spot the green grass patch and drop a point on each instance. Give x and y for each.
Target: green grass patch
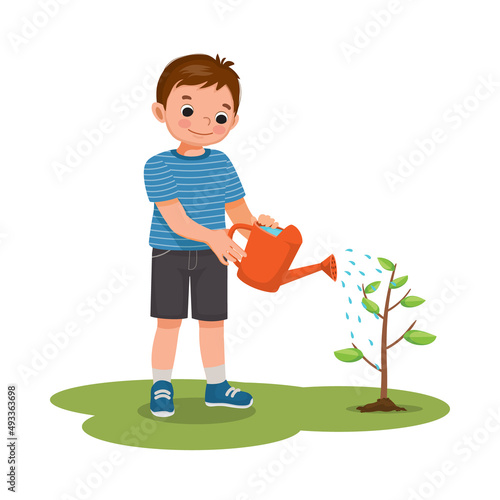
(120, 414)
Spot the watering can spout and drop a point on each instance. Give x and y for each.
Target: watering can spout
(329, 266)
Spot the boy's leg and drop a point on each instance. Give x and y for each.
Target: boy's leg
(212, 350)
(169, 299)
(164, 348)
(218, 391)
(209, 307)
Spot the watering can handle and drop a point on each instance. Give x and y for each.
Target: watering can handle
(233, 229)
(244, 226)
(238, 226)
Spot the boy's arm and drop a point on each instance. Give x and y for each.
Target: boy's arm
(175, 216)
(239, 212)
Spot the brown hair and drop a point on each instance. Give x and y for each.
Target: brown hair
(195, 70)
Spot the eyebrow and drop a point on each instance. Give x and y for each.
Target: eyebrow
(226, 106)
(186, 97)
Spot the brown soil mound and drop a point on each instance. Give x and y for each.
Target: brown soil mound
(384, 404)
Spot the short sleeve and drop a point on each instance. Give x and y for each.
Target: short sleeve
(159, 181)
(234, 189)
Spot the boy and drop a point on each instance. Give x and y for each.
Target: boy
(192, 189)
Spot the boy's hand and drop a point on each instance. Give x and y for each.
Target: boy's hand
(224, 247)
(265, 220)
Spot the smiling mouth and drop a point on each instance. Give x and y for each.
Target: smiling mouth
(197, 133)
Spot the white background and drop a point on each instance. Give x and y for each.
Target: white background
(324, 171)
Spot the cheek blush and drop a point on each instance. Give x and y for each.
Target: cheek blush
(184, 123)
(219, 129)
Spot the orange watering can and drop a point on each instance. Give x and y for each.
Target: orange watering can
(270, 253)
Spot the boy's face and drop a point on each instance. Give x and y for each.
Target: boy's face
(198, 116)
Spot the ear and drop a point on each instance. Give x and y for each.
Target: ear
(159, 112)
(236, 120)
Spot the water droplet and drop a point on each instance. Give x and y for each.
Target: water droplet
(366, 255)
(363, 304)
(378, 367)
(376, 315)
(379, 270)
(362, 273)
(393, 283)
(359, 319)
(360, 289)
(352, 262)
(371, 343)
(352, 335)
(343, 284)
(348, 249)
(347, 272)
(350, 300)
(346, 315)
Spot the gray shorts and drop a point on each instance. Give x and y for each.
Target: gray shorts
(172, 270)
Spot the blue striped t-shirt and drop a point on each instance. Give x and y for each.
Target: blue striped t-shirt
(203, 184)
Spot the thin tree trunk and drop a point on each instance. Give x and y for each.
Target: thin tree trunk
(383, 357)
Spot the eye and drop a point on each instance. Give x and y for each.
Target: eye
(187, 110)
(221, 117)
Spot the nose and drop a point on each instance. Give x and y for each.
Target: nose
(207, 118)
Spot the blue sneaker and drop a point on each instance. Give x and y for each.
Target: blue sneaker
(162, 399)
(224, 395)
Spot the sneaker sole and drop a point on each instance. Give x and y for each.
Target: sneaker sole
(227, 405)
(162, 414)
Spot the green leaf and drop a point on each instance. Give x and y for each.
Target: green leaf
(349, 355)
(370, 306)
(372, 287)
(412, 301)
(386, 264)
(398, 282)
(418, 337)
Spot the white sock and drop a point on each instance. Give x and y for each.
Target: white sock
(216, 374)
(162, 375)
